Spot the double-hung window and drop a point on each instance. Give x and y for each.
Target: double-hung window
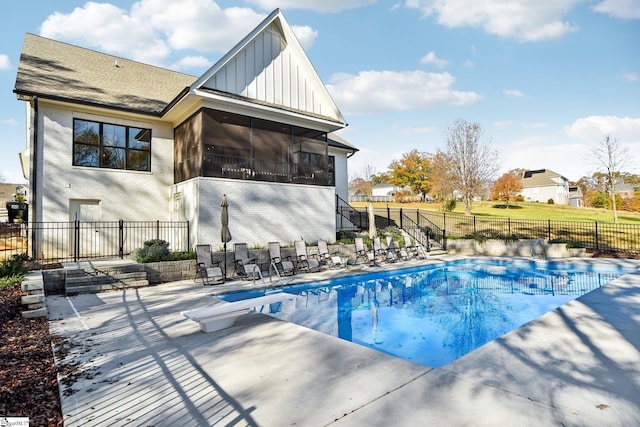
(105, 145)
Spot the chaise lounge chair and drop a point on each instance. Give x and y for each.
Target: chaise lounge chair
(362, 252)
(242, 258)
(286, 265)
(205, 268)
(303, 260)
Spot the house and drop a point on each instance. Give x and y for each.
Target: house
(543, 184)
(575, 196)
(110, 138)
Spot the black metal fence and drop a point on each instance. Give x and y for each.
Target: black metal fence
(591, 235)
(53, 242)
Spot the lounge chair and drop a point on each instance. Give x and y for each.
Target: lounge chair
(323, 252)
(205, 267)
(409, 248)
(242, 258)
(286, 265)
(361, 250)
(379, 251)
(303, 260)
(336, 262)
(391, 253)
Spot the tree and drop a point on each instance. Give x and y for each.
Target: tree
(442, 171)
(475, 161)
(413, 171)
(507, 187)
(611, 157)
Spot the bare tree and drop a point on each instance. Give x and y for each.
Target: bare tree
(610, 157)
(475, 160)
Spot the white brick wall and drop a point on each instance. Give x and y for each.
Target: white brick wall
(127, 195)
(260, 212)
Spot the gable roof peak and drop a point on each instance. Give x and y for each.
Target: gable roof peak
(269, 66)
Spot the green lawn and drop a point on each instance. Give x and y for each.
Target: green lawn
(539, 211)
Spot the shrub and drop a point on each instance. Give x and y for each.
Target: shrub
(158, 250)
(551, 202)
(14, 266)
(449, 205)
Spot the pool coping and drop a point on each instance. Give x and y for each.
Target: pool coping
(135, 360)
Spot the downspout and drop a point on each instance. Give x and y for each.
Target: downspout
(33, 172)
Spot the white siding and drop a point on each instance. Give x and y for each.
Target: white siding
(270, 71)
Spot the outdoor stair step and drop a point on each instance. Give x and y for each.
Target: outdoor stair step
(93, 288)
(104, 279)
(105, 271)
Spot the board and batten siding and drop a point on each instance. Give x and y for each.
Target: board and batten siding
(268, 71)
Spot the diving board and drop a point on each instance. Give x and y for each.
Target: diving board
(224, 315)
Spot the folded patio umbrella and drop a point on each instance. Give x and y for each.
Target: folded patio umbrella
(225, 234)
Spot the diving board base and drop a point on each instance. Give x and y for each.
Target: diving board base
(224, 315)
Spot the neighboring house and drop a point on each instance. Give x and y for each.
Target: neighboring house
(544, 184)
(110, 139)
(575, 196)
(624, 190)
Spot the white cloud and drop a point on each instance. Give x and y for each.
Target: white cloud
(594, 128)
(9, 121)
(413, 130)
(305, 35)
(5, 64)
(625, 9)
(319, 6)
(152, 29)
(524, 20)
(431, 58)
(631, 76)
(513, 92)
(380, 91)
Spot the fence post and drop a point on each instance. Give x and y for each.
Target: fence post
(474, 225)
(401, 227)
(76, 240)
(549, 230)
(121, 238)
(157, 229)
(189, 236)
(597, 245)
(388, 216)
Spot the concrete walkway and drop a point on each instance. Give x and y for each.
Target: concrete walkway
(130, 358)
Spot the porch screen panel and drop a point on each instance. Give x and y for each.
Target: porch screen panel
(227, 145)
(271, 151)
(310, 157)
(187, 149)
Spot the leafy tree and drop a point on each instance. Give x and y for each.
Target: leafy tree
(475, 160)
(442, 177)
(507, 187)
(412, 170)
(611, 157)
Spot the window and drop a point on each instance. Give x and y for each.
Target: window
(104, 145)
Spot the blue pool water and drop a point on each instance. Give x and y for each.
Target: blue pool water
(435, 314)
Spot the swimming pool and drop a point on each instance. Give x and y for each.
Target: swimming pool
(434, 314)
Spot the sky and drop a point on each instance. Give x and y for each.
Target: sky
(547, 81)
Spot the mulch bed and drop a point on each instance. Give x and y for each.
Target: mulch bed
(28, 380)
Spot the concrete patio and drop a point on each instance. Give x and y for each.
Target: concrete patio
(130, 358)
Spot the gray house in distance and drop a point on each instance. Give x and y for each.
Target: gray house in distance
(544, 184)
(110, 138)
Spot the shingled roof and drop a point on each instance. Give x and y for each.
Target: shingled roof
(60, 71)
(541, 178)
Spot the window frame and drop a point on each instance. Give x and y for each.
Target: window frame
(105, 145)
